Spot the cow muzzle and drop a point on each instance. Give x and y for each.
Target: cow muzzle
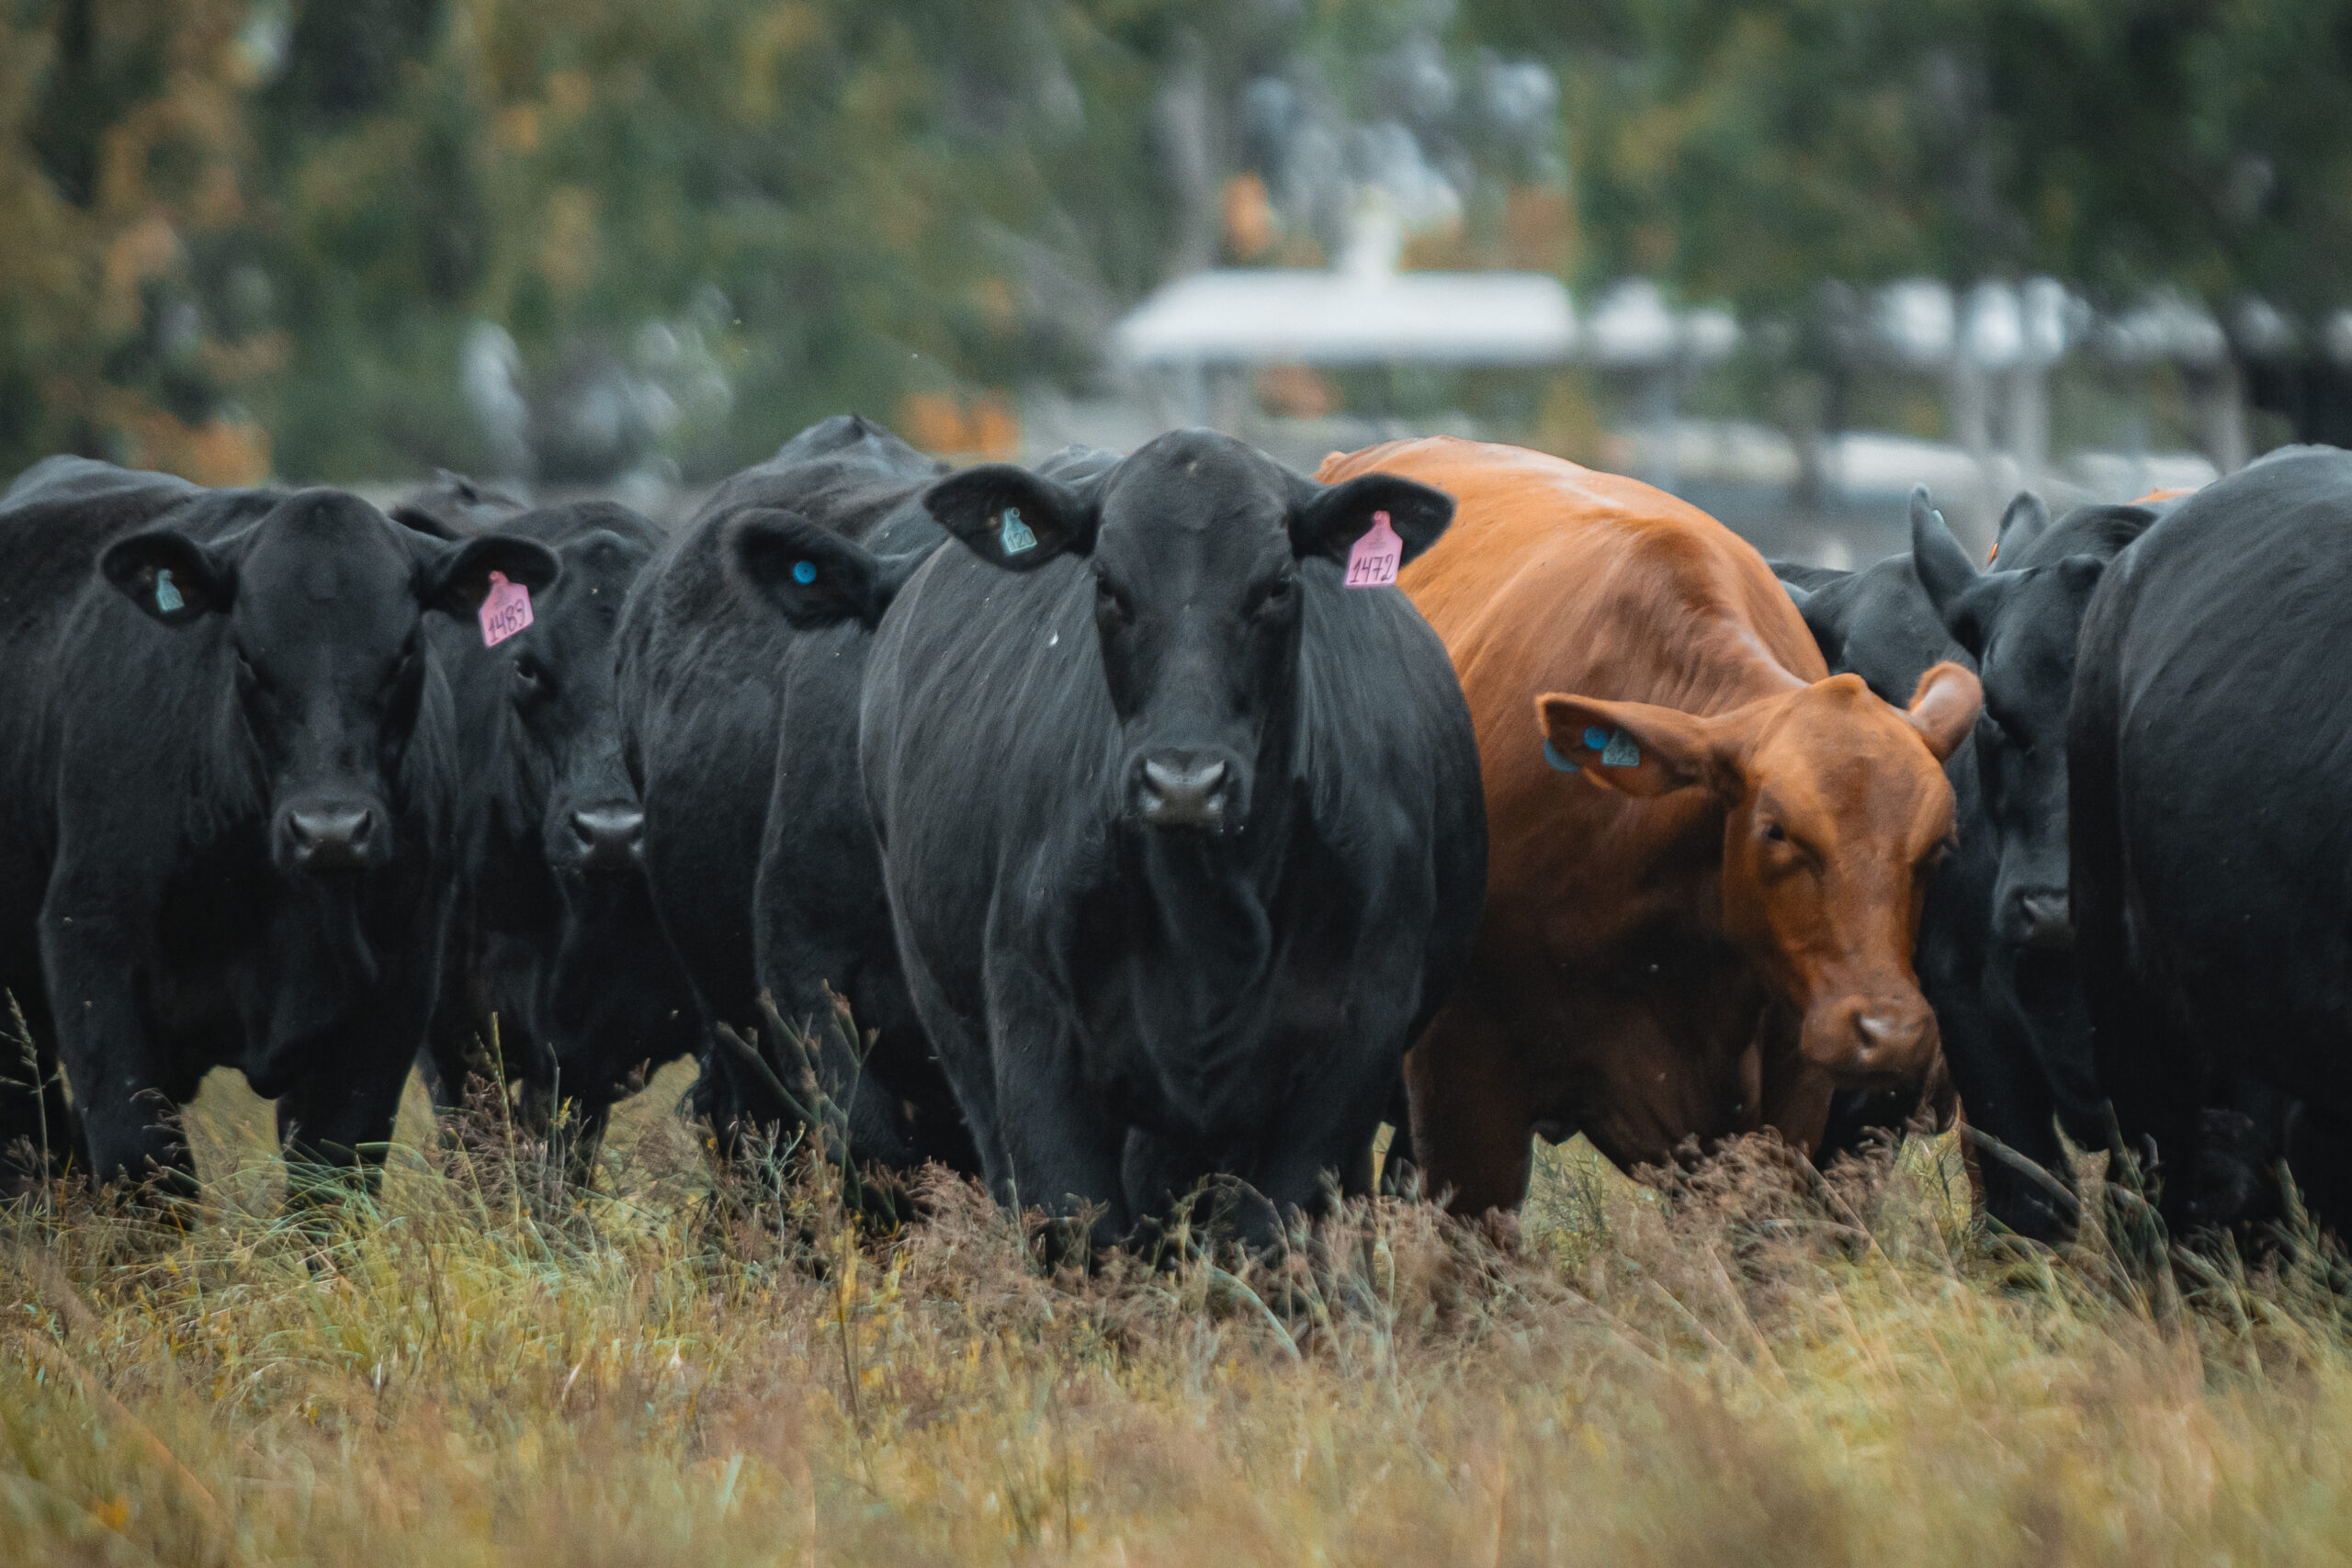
(609, 838)
(2039, 918)
(1872, 1042)
(1184, 789)
(331, 836)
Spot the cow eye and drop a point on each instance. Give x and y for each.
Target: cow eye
(530, 679)
(1275, 599)
(1776, 833)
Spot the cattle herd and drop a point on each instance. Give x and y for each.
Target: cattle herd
(1137, 832)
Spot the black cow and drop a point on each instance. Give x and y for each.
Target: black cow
(554, 936)
(742, 654)
(1994, 938)
(2208, 743)
(222, 757)
(1185, 839)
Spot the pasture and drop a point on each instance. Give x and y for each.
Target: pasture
(1766, 1368)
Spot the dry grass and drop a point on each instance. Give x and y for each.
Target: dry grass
(1766, 1370)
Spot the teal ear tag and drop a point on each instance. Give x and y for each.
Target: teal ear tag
(1552, 756)
(1012, 534)
(1622, 752)
(167, 598)
(804, 572)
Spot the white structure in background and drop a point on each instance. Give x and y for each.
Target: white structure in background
(1362, 313)
(1634, 332)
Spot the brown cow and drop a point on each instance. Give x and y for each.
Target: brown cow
(1703, 893)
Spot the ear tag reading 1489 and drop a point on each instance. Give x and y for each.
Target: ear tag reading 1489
(506, 610)
(1373, 561)
(1013, 536)
(167, 597)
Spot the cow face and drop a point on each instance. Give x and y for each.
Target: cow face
(2021, 628)
(318, 604)
(1199, 548)
(1835, 810)
(561, 756)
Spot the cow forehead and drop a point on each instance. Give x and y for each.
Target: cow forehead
(329, 565)
(1842, 755)
(1197, 483)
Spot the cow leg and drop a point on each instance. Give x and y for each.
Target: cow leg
(122, 1077)
(1999, 1079)
(1324, 1134)
(1471, 1112)
(1061, 1151)
(334, 1127)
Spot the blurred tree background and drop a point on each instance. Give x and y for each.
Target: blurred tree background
(349, 238)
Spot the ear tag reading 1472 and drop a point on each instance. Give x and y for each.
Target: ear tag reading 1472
(1373, 561)
(506, 610)
(167, 597)
(1013, 536)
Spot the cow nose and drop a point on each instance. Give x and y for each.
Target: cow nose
(1891, 1042)
(611, 839)
(330, 838)
(2048, 926)
(1183, 793)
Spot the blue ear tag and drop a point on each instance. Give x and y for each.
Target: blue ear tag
(804, 572)
(167, 598)
(1012, 534)
(1595, 738)
(1622, 752)
(1552, 755)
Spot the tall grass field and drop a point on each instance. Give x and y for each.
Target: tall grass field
(1759, 1367)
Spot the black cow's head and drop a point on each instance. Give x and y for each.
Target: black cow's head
(1198, 546)
(2022, 626)
(321, 600)
(560, 759)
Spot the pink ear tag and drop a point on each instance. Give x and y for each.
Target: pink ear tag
(506, 610)
(1373, 561)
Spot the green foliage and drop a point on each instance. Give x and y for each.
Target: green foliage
(247, 235)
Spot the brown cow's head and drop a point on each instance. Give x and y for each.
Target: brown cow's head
(1836, 808)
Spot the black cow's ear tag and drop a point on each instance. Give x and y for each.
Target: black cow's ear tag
(804, 572)
(1552, 755)
(167, 595)
(1014, 536)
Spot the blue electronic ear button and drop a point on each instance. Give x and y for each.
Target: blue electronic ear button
(804, 572)
(1595, 738)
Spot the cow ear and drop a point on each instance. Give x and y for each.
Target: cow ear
(455, 578)
(1638, 749)
(2024, 522)
(1944, 707)
(170, 576)
(1328, 520)
(813, 575)
(1964, 597)
(1012, 518)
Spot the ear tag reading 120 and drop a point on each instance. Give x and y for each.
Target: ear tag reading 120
(167, 597)
(1373, 561)
(506, 610)
(1012, 534)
